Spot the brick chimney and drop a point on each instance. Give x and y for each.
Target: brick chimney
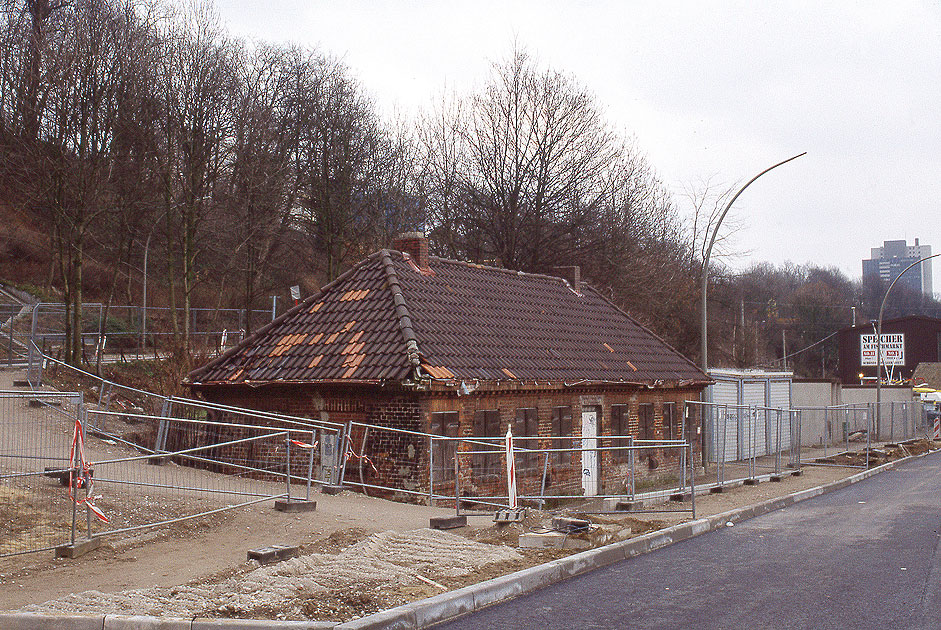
(415, 244)
(573, 275)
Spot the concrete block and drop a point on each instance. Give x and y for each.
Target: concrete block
(273, 553)
(680, 496)
(569, 525)
(551, 540)
(18, 382)
(628, 505)
(797, 473)
(34, 621)
(331, 490)
(509, 515)
(752, 481)
(776, 478)
(80, 548)
(294, 505)
(448, 522)
(717, 489)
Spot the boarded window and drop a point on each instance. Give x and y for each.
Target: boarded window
(445, 424)
(487, 424)
(672, 429)
(645, 419)
(526, 424)
(562, 427)
(620, 425)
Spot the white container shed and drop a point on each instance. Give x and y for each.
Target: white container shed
(744, 419)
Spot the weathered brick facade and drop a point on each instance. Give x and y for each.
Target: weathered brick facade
(396, 459)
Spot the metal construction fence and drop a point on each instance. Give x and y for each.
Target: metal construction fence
(120, 331)
(548, 471)
(131, 459)
(745, 441)
(35, 435)
(838, 425)
(12, 343)
(70, 472)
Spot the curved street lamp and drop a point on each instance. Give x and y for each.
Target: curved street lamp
(712, 240)
(879, 342)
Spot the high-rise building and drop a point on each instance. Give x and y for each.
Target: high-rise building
(893, 257)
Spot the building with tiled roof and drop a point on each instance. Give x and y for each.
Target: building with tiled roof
(452, 348)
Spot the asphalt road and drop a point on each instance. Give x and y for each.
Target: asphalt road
(865, 556)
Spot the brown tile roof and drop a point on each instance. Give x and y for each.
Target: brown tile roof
(459, 321)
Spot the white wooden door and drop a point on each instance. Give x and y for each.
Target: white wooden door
(590, 473)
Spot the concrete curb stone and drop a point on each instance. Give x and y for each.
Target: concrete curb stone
(426, 612)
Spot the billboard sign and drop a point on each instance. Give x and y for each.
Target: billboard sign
(893, 349)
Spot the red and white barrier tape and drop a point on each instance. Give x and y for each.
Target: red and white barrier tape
(86, 468)
(350, 453)
(304, 444)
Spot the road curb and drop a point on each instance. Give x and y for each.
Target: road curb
(426, 612)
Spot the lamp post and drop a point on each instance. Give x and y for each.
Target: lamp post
(712, 240)
(879, 341)
(143, 325)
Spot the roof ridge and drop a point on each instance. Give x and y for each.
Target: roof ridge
(514, 272)
(313, 297)
(402, 315)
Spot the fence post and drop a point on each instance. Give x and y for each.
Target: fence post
(630, 443)
(457, 480)
(287, 442)
(692, 477)
(10, 356)
(342, 438)
(542, 487)
(683, 436)
(310, 462)
(431, 471)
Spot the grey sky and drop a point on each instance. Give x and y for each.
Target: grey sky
(712, 91)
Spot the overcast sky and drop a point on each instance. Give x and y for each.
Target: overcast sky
(712, 91)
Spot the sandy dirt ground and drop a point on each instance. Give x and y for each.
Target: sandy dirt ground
(358, 555)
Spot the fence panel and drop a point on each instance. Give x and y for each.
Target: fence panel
(208, 467)
(35, 442)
